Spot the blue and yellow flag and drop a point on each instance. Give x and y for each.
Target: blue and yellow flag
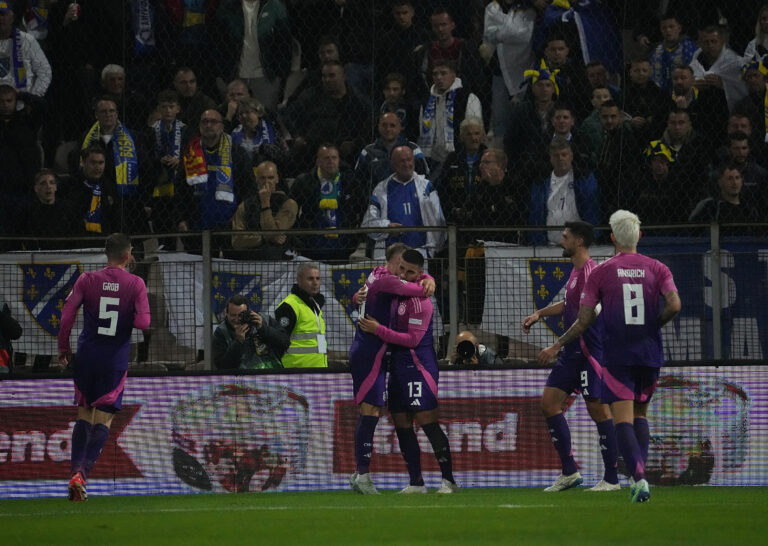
(224, 285)
(547, 280)
(45, 289)
(347, 281)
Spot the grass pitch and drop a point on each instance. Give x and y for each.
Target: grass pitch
(675, 515)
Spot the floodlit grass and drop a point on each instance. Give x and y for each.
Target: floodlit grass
(675, 515)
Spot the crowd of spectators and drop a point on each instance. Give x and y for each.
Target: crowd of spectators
(166, 116)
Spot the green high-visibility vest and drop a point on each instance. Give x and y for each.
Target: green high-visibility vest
(308, 348)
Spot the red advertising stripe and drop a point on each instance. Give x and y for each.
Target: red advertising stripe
(504, 433)
(35, 444)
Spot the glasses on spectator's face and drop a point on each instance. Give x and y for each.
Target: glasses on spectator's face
(209, 121)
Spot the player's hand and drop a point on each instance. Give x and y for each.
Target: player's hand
(368, 324)
(362, 294)
(65, 358)
(529, 321)
(549, 354)
(429, 286)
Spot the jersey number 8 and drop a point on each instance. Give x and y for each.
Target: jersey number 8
(634, 304)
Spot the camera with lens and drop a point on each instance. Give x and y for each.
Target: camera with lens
(465, 349)
(246, 318)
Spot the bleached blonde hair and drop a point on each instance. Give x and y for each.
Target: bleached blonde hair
(625, 226)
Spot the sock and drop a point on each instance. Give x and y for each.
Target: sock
(561, 439)
(643, 436)
(99, 434)
(80, 434)
(608, 449)
(409, 448)
(630, 450)
(366, 426)
(442, 450)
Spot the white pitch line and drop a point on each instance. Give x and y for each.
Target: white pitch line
(260, 509)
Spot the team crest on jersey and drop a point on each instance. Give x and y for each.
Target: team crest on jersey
(548, 277)
(46, 287)
(347, 281)
(225, 284)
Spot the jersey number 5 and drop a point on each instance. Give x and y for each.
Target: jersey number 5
(634, 304)
(108, 314)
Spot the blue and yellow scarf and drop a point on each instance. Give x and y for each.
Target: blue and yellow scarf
(167, 143)
(124, 155)
(428, 119)
(329, 202)
(265, 134)
(94, 215)
(200, 163)
(17, 60)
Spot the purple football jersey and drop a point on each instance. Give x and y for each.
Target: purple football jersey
(114, 303)
(592, 337)
(630, 288)
(367, 351)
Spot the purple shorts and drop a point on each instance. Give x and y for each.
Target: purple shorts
(637, 383)
(99, 388)
(413, 379)
(368, 366)
(576, 373)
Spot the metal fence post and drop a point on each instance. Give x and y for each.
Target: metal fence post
(207, 309)
(714, 269)
(453, 289)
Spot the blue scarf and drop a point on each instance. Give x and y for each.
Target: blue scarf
(664, 61)
(167, 143)
(265, 134)
(143, 23)
(220, 162)
(329, 202)
(124, 155)
(428, 119)
(94, 217)
(17, 59)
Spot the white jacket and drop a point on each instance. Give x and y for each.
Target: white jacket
(429, 204)
(728, 67)
(37, 65)
(439, 142)
(511, 34)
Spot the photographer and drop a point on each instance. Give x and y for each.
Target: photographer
(468, 353)
(9, 330)
(246, 340)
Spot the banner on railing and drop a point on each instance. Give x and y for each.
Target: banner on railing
(519, 282)
(295, 432)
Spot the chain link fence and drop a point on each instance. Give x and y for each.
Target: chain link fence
(488, 292)
(278, 78)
